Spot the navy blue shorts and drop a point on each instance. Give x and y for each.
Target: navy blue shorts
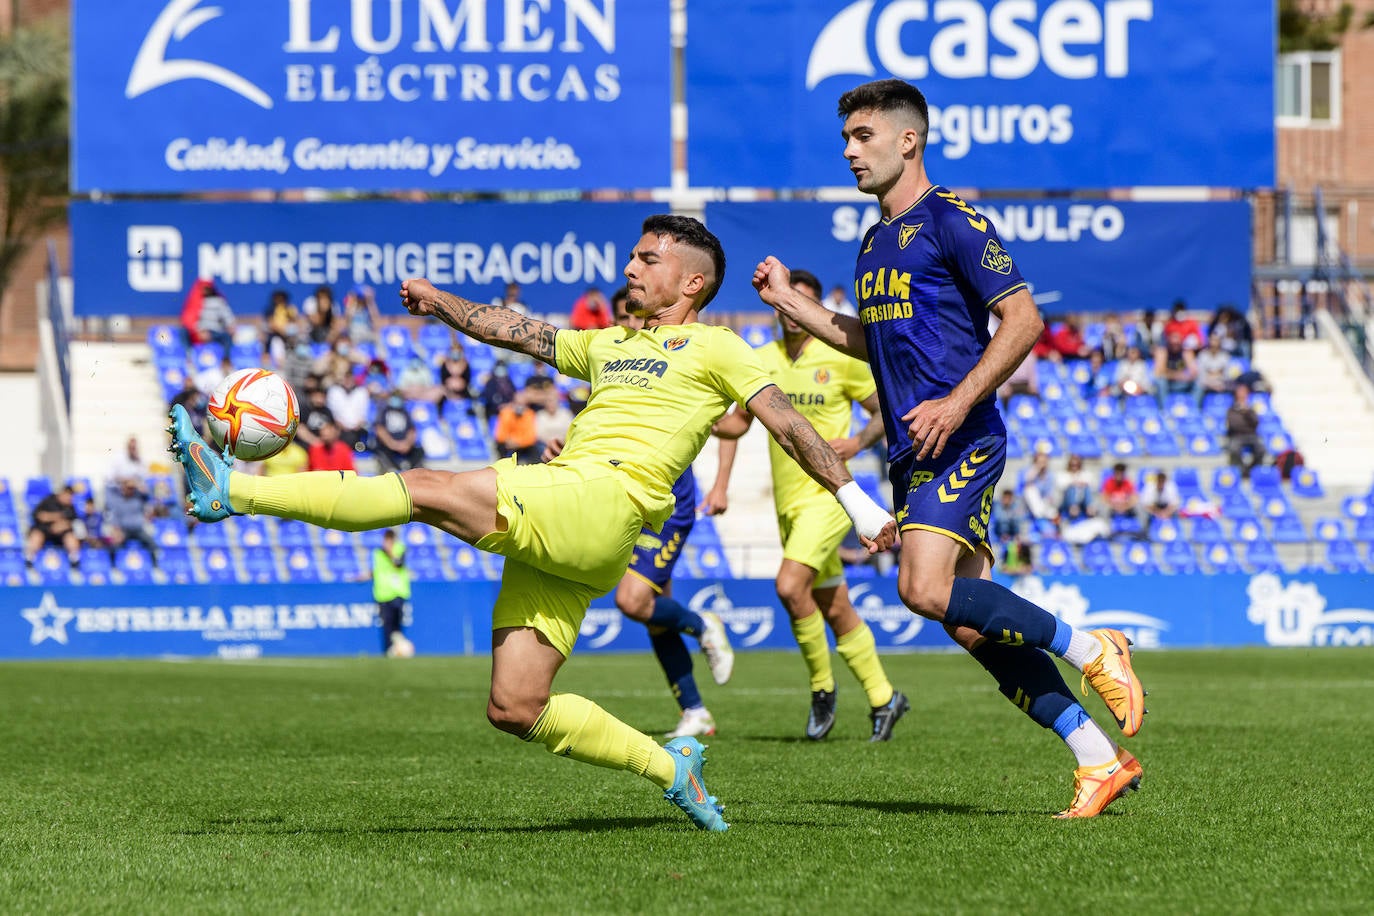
(656, 553)
(951, 494)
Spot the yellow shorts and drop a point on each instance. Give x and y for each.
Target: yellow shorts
(811, 535)
(570, 532)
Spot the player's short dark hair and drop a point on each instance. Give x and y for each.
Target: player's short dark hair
(690, 232)
(808, 279)
(889, 96)
(620, 295)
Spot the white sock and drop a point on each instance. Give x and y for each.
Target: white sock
(1083, 648)
(1090, 745)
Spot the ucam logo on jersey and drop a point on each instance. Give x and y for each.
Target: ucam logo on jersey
(1021, 94)
(371, 94)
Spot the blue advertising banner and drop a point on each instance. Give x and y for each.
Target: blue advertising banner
(370, 95)
(1055, 95)
(1077, 255)
(141, 257)
(248, 621)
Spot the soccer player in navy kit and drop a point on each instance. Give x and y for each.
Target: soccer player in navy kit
(927, 277)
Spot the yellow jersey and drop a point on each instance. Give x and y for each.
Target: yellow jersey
(655, 394)
(822, 383)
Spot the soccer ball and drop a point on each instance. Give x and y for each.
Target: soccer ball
(253, 413)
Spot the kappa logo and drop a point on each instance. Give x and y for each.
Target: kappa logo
(153, 68)
(996, 259)
(1296, 615)
(906, 233)
(750, 625)
(600, 627)
(1068, 603)
(896, 620)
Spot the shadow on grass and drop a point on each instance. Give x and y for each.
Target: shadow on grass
(277, 826)
(913, 807)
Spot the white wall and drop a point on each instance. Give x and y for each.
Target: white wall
(23, 436)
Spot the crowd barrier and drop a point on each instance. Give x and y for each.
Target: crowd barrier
(249, 621)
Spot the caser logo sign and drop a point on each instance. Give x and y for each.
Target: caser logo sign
(152, 67)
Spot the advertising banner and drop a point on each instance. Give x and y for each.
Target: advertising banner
(141, 257)
(186, 95)
(1077, 255)
(248, 621)
(1060, 94)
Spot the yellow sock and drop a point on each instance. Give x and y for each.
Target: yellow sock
(810, 635)
(574, 726)
(331, 499)
(860, 653)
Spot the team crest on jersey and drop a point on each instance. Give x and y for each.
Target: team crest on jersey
(822, 376)
(675, 343)
(996, 259)
(906, 233)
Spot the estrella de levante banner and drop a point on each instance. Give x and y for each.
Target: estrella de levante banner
(192, 95)
(1077, 255)
(1057, 94)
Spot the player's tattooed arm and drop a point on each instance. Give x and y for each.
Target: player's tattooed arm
(799, 438)
(491, 324)
(845, 333)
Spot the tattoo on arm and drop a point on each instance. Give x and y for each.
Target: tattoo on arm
(801, 441)
(496, 325)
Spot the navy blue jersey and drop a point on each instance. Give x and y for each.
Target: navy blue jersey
(924, 283)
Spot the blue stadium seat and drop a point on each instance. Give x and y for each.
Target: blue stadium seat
(163, 491)
(13, 570)
(397, 341)
(246, 355)
(342, 562)
(1097, 558)
(1085, 445)
(1248, 531)
(1216, 403)
(416, 534)
(1180, 557)
(1265, 480)
(11, 537)
(756, 335)
(169, 531)
(6, 499)
(434, 338)
(293, 533)
(1260, 556)
(1207, 531)
(1276, 505)
(1278, 442)
(171, 379)
(1162, 445)
(422, 413)
(52, 566)
(251, 531)
(175, 563)
(708, 562)
(209, 534)
(135, 565)
(1166, 530)
(1328, 529)
(1123, 446)
(1222, 558)
(260, 564)
(1343, 557)
(1179, 405)
(436, 443)
(371, 539)
(1016, 448)
(95, 566)
(332, 537)
(36, 489)
(1236, 505)
(1139, 559)
(207, 356)
(1288, 529)
(466, 561)
(301, 565)
(1044, 444)
(1126, 524)
(1225, 479)
(1307, 484)
(217, 565)
(1203, 445)
(167, 339)
(1056, 559)
(424, 563)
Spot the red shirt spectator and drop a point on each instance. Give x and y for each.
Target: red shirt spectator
(590, 312)
(1119, 492)
(330, 453)
(1067, 341)
(1187, 329)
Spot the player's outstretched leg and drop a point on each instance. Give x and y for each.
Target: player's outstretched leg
(207, 472)
(1094, 788)
(1112, 676)
(707, 627)
(688, 790)
(676, 662)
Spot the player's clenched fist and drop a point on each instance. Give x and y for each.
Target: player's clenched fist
(771, 279)
(418, 295)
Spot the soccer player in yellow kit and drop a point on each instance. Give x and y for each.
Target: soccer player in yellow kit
(568, 528)
(822, 384)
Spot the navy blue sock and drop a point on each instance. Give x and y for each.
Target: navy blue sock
(1031, 680)
(1005, 617)
(673, 615)
(677, 665)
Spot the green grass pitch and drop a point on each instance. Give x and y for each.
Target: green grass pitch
(366, 785)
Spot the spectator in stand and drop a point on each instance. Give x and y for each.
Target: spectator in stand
(1160, 497)
(455, 379)
(1237, 339)
(209, 377)
(331, 453)
(396, 441)
(1011, 530)
(127, 517)
(1134, 377)
(90, 527)
(838, 301)
(1175, 370)
(1119, 493)
(1076, 492)
(377, 378)
(590, 312)
(360, 315)
(498, 391)
(1101, 380)
(54, 525)
(297, 363)
(216, 321)
(315, 413)
(1213, 370)
(516, 433)
(415, 381)
(322, 324)
(291, 460)
(1150, 331)
(1114, 338)
(350, 405)
(1244, 447)
(191, 307)
(130, 465)
(193, 399)
(1037, 489)
(552, 418)
(512, 299)
(282, 322)
(1183, 327)
(341, 360)
(1066, 340)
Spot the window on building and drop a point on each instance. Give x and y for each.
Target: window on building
(1308, 86)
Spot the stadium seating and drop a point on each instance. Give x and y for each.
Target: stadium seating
(134, 565)
(1180, 557)
(1139, 559)
(1056, 559)
(1097, 558)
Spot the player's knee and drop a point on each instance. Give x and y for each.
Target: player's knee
(794, 593)
(930, 600)
(512, 715)
(635, 605)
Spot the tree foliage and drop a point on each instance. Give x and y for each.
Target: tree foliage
(34, 138)
(1300, 29)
